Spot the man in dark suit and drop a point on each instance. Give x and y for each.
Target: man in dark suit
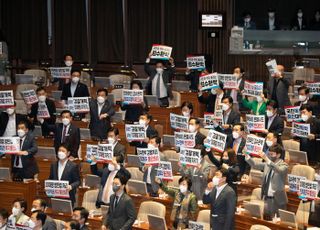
(64, 169)
(119, 150)
(212, 99)
(67, 62)
(159, 83)
(304, 99)
(274, 123)
(41, 205)
(23, 164)
(145, 120)
(236, 93)
(80, 214)
(121, 213)
(101, 111)
(223, 201)
(247, 23)
(272, 22)
(42, 97)
(299, 22)
(65, 132)
(194, 127)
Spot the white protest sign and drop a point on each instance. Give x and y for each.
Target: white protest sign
(149, 156)
(300, 129)
(29, 96)
(132, 96)
(218, 113)
(161, 52)
(255, 123)
(294, 182)
(229, 81)
(60, 72)
(253, 89)
(292, 113)
(179, 122)
(9, 145)
(308, 189)
(272, 66)
(104, 152)
(164, 170)
(92, 151)
(43, 111)
(314, 87)
(78, 104)
(254, 144)
(196, 62)
(216, 140)
(183, 139)
(6, 98)
(190, 157)
(21, 227)
(56, 188)
(193, 225)
(209, 81)
(209, 120)
(135, 132)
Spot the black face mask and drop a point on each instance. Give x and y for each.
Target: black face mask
(226, 161)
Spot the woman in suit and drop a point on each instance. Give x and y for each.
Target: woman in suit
(18, 216)
(66, 170)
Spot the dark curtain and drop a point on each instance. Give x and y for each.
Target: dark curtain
(107, 31)
(70, 30)
(144, 25)
(24, 26)
(181, 26)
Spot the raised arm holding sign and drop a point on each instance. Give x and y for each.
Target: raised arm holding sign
(104, 153)
(255, 123)
(190, 157)
(29, 96)
(253, 89)
(292, 113)
(149, 156)
(164, 170)
(314, 87)
(161, 52)
(216, 140)
(254, 145)
(187, 140)
(209, 81)
(230, 81)
(9, 145)
(60, 72)
(6, 99)
(300, 129)
(78, 104)
(179, 122)
(135, 132)
(132, 96)
(272, 67)
(196, 62)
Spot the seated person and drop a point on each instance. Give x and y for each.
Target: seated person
(185, 206)
(101, 111)
(41, 205)
(213, 99)
(247, 22)
(186, 109)
(134, 111)
(66, 170)
(23, 163)
(258, 105)
(80, 214)
(304, 99)
(274, 123)
(71, 225)
(42, 97)
(37, 220)
(18, 216)
(272, 22)
(3, 219)
(194, 127)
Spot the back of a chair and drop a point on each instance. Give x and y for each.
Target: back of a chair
(255, 177)
(204, 216)
(291, 144)
(101, 82)
(174, 182)
(38, 74)
(85, 134)
(204, 131)
(59, 223)
(117, 95)
(23, 87)
(85, 78)
(259, 227)
(89, 199)
(21, 107)
(120, 79)
(176, 101)
(256, 194)
(171, 154)
(303, 212)
(151, 207)
(136, 174)
(304, 170)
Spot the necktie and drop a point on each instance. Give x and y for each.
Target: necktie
(266, 184)
(116, 202)
(18, 157)
(158, 86)
(64, 132)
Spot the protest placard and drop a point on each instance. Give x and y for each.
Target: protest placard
(193, 225)
(196, 62)
(60, 72)
(272, 66)
(294, 182)
(209, 81)
(9, 145)
(179, 122)
(216, 140)
(135, 132)
(149, 156)
(104, 153)
(190, 157)
(183, 139)
(218, 113)
(92, 151)
(132, 96)
(56, 188)
(209, 120)
(164, 170)
(255, 123)
(308, 189)
(161, 52)
(6, 99)
(29, 96)
(292, 113)
(43, 111)
(229, 81)
(254, 144)
(314, 87)
(78, 104)
(253, 89)
(300, 129)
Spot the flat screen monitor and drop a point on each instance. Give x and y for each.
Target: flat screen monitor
(211, 20)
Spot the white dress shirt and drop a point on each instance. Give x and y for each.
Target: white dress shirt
(20, 161)
(271, 24)
(100, 106)
(270, 120)
(73, 88)
(219, 189)
(11, 127)
(107, 190)
(61, 167)
(163, 90)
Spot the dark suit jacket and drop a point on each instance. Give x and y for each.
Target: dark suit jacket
(149, 132)
(81, 91)
(123, 215)
(4, 117)
(222, 208)
(276, 126)
(72, 137)
(209, 101)
(119, 150)
(70, 173)
(239, 96)
(282, 88)
(277, 24)
(50, 224)
(29, 163)
(295, 24)
(193, 77)
(252, 25)
(99, 128)
(234, 118)
(313, 104)
(244, 166)
(166, 76)
(134, 111)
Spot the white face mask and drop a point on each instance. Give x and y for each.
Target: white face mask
(269, 143)
(300, 15)
(304, 117)
(33, 209)
(111, 140)
(235, 135)
(21, 133)
(192, 128)
(31, 224)
(68, 63)
(151, 146)
(247, 19)
(302, 97)
(259, 99)
(62, 155)
(16, 211)
(225, 107)
(159, 70)
(10, 111)
(100, 100)
(42, 98)
(183, 188)
(75, 79)
(237, 75)
(65, 121)
(271, 14)
(186, 114)
(269, 113)
(215, 181)
(142, 122)
(213, 91)
(111, 167)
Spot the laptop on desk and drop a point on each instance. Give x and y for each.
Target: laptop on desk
(61, 206)
(297, 156)
(136, 187)
(5, 174)
(156, 222)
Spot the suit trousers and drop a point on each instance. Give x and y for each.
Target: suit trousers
(271, 208)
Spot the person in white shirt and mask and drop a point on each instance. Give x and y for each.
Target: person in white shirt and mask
(273, 139)
(18, 216)
(67, 62)
(186, 109)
